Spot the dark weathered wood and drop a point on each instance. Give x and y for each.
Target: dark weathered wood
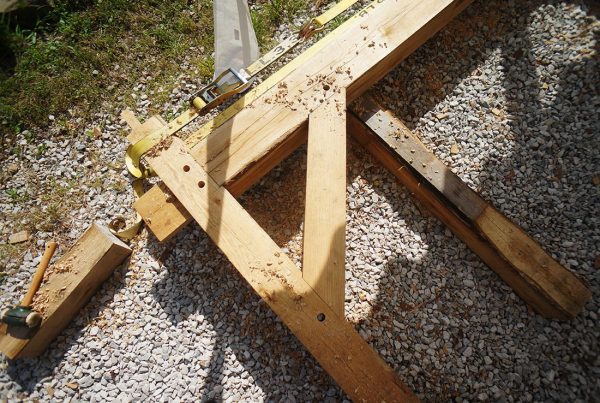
(549, 288)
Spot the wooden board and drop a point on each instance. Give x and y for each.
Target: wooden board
(68, 286)
(140, 130)
(549, 288)
(354, 56)
(339, 349)
(323, 256)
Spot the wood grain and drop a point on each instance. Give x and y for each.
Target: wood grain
(323, 262)
(354, 56)
(339, 349)
(68, 286)
(549, 288)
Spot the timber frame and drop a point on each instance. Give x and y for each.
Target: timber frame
(307, 101)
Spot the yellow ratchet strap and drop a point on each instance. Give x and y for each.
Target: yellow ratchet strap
(118, 225)
(134, 153)
(309, 29)
(200, 106)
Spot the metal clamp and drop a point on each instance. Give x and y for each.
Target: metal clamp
(228, 83)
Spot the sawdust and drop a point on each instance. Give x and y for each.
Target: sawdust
(160, 147)
(55, 284)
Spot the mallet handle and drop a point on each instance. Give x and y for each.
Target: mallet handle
(39, 274)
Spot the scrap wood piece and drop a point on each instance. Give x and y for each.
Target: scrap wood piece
(323, 260)
(19, 237)
(355, 55)
(341, 351)
(140, 130)
(68, 285)
(549, 288)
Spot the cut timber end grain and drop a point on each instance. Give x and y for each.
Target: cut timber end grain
(19, 237)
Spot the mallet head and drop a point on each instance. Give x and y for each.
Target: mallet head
(21, 316)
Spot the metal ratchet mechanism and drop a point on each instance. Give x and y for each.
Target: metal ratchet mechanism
(227, 84)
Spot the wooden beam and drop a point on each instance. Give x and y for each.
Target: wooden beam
(339, 349)
(354, 56)
(68, 285)
(140, 130)
(165, 215)
(549, 288)
(323, 264)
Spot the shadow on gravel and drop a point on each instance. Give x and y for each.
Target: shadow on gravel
(214, 291)
(414, 315)
(29, 372)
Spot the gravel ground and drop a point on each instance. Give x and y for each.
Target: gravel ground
(513, 86)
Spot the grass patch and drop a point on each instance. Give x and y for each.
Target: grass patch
(79, 54)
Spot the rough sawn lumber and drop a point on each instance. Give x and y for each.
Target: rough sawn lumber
(354, 56)
(68, 285)
(341, 351)
(323, 254)
(549, 288)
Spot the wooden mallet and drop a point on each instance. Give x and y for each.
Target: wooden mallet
(22, 314)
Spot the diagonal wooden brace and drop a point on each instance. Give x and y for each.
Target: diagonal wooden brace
(341, 351)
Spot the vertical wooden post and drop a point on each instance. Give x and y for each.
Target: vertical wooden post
(325, 208)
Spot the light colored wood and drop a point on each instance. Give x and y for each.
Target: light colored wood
(141, 130)
(165, 219)
(68, 285)
(39, 273)
(355, 55)
(339, 349)
(550, 289)
(556, 282)
(129, 117)
(323, 255)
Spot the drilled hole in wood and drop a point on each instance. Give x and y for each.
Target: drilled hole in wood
(321, 317)
(186, 168)
(201, 184)
(326, 87)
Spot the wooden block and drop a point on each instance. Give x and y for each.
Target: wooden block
(549, 288)
(19, 237)
(323, 264)
(335, 344)
(141, 130)
(68, 286)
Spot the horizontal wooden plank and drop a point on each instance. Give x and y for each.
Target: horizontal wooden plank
(549, 288)
(334, 343)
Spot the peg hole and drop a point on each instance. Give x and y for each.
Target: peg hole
(186, 168)
(326, 87)
(321, 317)
(201, 184)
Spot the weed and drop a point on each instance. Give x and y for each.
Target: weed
(41, 149)
(17, 197)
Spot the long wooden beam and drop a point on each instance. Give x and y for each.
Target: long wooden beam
(341, 351)
(323, 254)
(549, 288)
(354, 56)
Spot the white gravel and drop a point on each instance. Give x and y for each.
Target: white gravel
(514, 85)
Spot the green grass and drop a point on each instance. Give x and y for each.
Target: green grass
(83, 53)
